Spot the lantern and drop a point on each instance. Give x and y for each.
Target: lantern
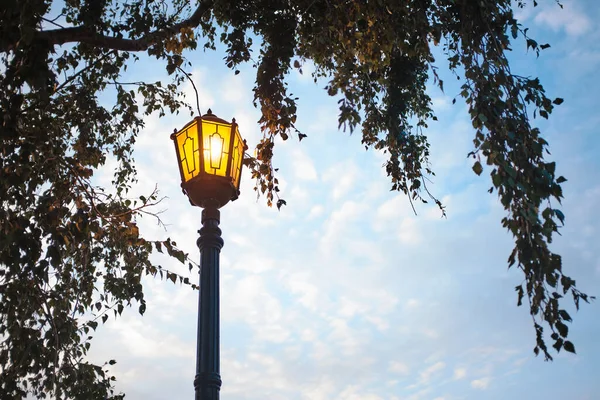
(210, 152)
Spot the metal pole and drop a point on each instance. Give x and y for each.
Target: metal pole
(207, 382)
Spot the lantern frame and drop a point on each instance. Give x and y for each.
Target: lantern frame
(205, 189)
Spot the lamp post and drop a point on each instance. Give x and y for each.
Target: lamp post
(209, 153)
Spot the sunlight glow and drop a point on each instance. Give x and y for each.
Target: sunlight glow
(216, 150)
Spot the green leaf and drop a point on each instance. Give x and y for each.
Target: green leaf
(558, 101)
(477, 168)
(560, 215)
(564, 315)
(563, 330)
(520, 293)
(179, 255)
(496, 179)
(558, 344)
(514, 30)
(280, 203)
(568, 346)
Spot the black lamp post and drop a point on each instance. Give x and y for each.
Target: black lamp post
(209, 152)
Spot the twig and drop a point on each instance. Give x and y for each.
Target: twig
(195, 90)
(52, 22)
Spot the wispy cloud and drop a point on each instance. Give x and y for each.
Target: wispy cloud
(481, 383)
(460, 373)
(346, 293)
(569, 18)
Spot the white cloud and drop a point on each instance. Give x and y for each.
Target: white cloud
(399, 368)
(248, 300)
(408, 232)
(353, 392)
(246, 118)
(298, 196)
(342, 177)
(316, 211)
(301, 284)
(143, 340)
(441, 103)
(482, 383)
(396, 214)
(344, 337)
(254, 263)
(430, 333)
(569, 18)
(253, 374)
(322, 390)
(348, 307)
(380, 323)
(391, 212)
(339, 222)
(323, 120)
(460, 373)
(412, 303)
(427, 373)
(304, 168)
(233, 90)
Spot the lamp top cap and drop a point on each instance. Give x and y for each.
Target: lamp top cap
(209, 116)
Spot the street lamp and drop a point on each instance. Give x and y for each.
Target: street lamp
(209, 153)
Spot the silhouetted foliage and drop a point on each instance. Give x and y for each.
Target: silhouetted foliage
(70, 252)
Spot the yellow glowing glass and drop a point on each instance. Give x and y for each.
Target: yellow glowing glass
(210, 152)
(216, 138)
(189, 154)
(236, 157)
(216, 150)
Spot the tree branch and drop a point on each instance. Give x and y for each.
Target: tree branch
(84, 34)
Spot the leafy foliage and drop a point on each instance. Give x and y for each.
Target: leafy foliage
(70, 251)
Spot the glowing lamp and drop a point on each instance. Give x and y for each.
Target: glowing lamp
(210, 152)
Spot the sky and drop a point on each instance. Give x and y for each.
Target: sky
(346, 294)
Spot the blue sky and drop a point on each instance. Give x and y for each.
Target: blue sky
(346, 294)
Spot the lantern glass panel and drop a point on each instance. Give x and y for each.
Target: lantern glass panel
(216, 138)
(216, 150)
(189, 154)
(237, 156)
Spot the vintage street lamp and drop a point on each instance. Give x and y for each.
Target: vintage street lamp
(209, 151)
